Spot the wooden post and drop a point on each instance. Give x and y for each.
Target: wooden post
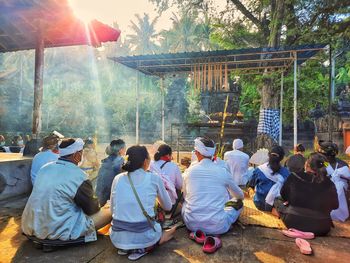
(38, 87)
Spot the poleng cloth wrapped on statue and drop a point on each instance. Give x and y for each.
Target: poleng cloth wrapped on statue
(269, 121)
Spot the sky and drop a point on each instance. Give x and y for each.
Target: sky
(122, 11)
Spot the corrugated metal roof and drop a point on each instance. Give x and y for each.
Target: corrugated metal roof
(244, 60)
(23, 22)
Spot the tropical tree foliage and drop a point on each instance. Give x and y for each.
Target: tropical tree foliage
(142, 40)
(273, 23)
(85, 93)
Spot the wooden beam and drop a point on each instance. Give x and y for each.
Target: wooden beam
(38, 86)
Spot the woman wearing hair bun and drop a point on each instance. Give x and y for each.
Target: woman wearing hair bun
(268, 178)
(134, 194)
(167, 170)
(110, 167)
(308, 197)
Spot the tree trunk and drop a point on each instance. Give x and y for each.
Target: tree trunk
(270, 91)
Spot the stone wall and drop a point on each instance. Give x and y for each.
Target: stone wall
(15, 178)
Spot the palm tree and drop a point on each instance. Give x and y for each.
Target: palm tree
(203, 32)
(142, 41)
(182, 36)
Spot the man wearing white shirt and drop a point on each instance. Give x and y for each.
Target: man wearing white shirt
(206, 186)
(237, 162)
(48, 153)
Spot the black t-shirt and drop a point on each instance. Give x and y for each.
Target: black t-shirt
(302, 190)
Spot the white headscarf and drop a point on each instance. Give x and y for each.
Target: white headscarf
(275, 190)
(202, 149)
(237, 144)
(77, 146)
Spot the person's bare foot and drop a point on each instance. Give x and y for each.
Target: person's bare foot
(167, 235)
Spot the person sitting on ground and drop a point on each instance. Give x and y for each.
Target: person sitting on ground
(17, 141)
(90, 163)
(2, 143)
(17, 145)
(312, 185)
(62, 205)
(27, 138)
(110, 167)
(237, 162)
(206, 189)
(339, 173)
(299, 149)
(134, 194)
(167, 170)
(48, 153)
(268, 178)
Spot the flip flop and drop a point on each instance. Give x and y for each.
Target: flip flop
(294, 233)
(304, 246)
(137, 254)
(211, 244)
(122, 252)
(198, 236)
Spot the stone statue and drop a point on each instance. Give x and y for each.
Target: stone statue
(213, 102)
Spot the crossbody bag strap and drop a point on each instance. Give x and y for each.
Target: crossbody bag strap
(150, 220)
(161, 167)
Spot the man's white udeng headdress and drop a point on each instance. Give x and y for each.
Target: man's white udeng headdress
(77, 146)
(202, 149)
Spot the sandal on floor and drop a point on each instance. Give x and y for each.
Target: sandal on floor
(137, 254)
(304, 246)
(294, 233)
(211, 244)
(122, 252)
(198, 236)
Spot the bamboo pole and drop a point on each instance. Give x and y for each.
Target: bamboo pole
(214, 77)
(205, 77)
(209, 76)
(226, 78)
(194, 78)
(199, 78)
(223, 120)
(220, 76)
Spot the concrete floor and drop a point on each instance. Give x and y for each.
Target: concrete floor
(252, 244)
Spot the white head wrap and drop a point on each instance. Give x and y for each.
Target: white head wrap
(347, 150)
(77, 146)
(237, 144)
(202, 149)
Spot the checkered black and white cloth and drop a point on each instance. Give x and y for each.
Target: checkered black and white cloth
(269, 123)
